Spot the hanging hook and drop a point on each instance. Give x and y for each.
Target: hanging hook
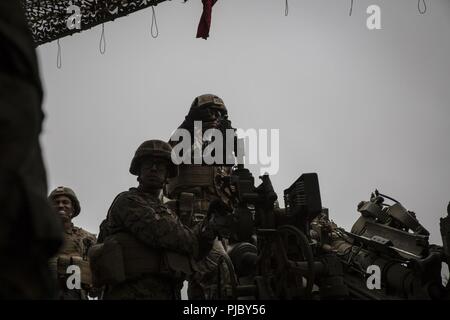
(154, 23)
(424, 6)
(286, 8)
(351, 8)
(102, 44)
(58, 55)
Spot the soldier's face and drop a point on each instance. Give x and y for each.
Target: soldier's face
(214, 117)
(215, 114)
(63, 205)
(153, 172)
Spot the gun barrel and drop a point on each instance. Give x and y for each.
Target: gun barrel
(303, 266)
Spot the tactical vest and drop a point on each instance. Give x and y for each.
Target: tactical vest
(204, 182)
(122, 257)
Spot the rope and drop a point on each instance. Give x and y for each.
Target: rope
(286, 8)
(154, 23)
(102, 44)
(424, 6)
(58, 56)
(351, 8)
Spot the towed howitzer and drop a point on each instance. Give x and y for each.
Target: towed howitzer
(284, 262)
(391, 238)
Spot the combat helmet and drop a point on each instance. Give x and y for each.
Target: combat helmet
(153, 148)
(66, 191)
(210, 101)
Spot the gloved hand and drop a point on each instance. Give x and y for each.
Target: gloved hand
(93, 292)
(218, 207)
(220, 219)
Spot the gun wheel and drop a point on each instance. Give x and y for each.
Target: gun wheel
(295, 276)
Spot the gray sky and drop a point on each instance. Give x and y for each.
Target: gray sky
(364, 109)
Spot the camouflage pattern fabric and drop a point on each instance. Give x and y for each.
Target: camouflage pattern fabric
(75, 244)
(146, 287)
(204, 284)
(152, 223)
(74, 241)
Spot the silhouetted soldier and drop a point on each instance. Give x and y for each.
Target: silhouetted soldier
(153, 251)
(196, 187)
(76, 245)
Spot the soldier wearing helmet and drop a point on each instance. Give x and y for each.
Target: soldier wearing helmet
(144, 251)
(211, 111)
(75, 248)
(205, 185)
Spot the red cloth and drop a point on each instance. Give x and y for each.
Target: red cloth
(205, 19)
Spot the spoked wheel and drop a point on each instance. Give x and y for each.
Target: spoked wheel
(294, 261)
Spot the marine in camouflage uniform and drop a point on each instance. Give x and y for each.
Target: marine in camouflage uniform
(30, 233)
(156, 249)
(76, 244)
(205, 184)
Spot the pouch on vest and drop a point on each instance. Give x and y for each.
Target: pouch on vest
(186, 208)
(138, 258)
(178, 265)
(64, 261)
(85, 269)
(106, 263)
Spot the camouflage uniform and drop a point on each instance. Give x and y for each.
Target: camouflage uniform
(30, 233)
(73, 252)
(151, 231)
(206, 183)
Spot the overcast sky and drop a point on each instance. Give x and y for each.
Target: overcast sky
(364, 109)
